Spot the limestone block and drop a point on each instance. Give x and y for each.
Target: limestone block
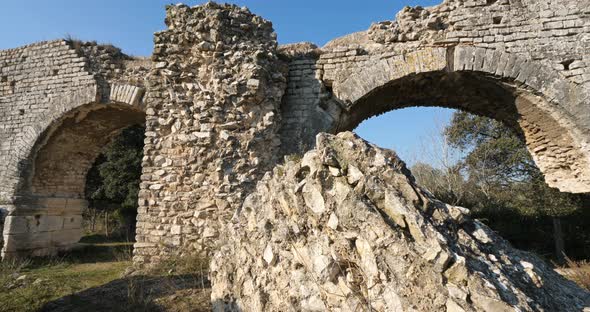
(26, 241)
(65, 237)
(46, 224)
(72, 222)
(16, 225)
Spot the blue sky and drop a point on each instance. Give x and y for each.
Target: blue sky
(130, 24)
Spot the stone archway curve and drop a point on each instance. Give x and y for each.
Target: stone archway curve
(541, 108)
(48, 202)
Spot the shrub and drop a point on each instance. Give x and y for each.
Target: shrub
(579, 272)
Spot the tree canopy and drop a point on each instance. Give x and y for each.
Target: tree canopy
(497, 179)
(498, 172)
(113, 181)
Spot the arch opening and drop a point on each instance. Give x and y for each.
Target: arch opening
(47, 213)
(479, 163)
(557, 149)
(112, 188)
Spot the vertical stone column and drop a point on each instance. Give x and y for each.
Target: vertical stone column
(212, 125)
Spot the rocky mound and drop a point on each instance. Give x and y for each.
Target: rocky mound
(347, 229)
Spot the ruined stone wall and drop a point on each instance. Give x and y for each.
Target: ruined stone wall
(521, 28)
(527, 47)
(41, 83)
(211, 128)
(60, 103)
(38, 83)
(224, 104)
(553, 32)
(302, 102)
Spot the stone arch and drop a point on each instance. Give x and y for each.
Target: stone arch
(46, 214)
(546, 109)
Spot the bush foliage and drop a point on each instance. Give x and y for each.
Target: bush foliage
(113, 182)
(498, 180)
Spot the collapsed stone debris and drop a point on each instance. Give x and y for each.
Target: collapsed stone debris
(346, 228)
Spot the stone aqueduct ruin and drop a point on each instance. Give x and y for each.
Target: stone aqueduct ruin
(223, 103)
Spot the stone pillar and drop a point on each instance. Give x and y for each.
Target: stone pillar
(212, 125)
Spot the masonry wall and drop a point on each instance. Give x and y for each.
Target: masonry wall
(554, 32)
(302, 102)
(551, 36)
(37, 85)
(47, 144)
(224, 104)
(211, 129)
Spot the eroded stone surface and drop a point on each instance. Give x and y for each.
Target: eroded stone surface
(379, 243)
(222, 104)
(212, 125)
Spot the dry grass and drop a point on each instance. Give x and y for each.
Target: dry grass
(92, 278)
(185, 286)
(75, 43)
(78, 44)
(27, 286)
(578, 271)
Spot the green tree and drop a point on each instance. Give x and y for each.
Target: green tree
(502, 174)
(113, 182)
(496, 155)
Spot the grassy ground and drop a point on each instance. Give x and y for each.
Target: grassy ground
(91, 278)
